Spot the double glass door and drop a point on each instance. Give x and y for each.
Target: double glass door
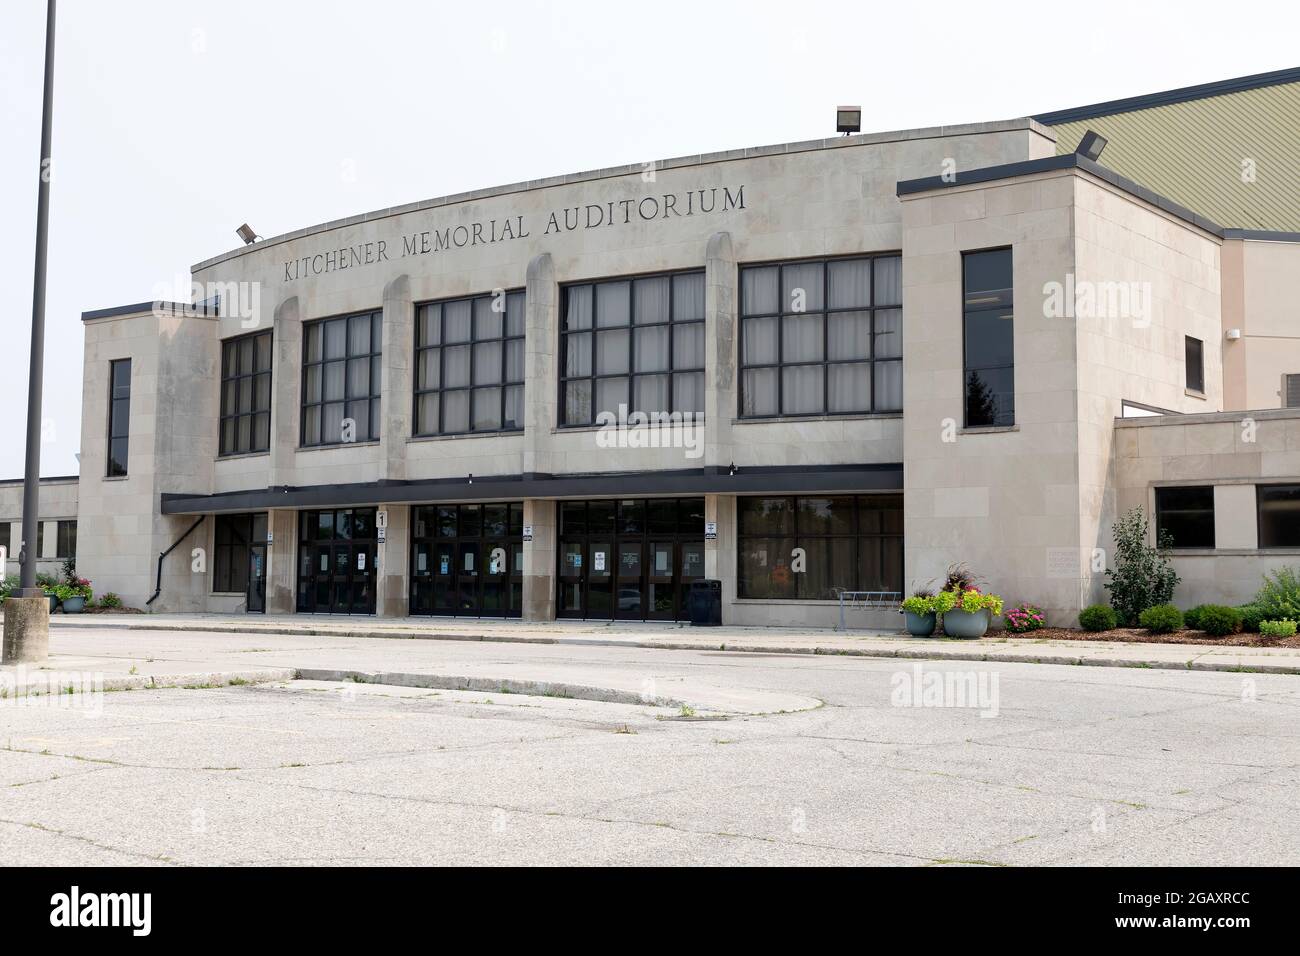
(468, 560)
(337, 550)
(629, 560)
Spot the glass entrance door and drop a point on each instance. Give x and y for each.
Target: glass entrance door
(467, 560)
(336, 561)
(632, 559)
(256, 603)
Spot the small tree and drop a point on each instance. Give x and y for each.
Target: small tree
(1141, 576)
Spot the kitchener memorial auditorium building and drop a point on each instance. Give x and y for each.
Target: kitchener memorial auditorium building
(840, 364)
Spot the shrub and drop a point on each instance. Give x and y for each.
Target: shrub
(1279, 598)
(1142, 576)
(1277, 628)
(109, 599)
(1098, 617)
(1251, 615)
(1217, 620)
(1024, 617)
(1161, 619)
(1192, 617)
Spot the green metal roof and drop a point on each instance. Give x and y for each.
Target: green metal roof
(1228, 150)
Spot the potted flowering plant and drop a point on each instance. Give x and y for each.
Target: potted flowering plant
(73, 595)
(919, 614)
(970, 612)
(1023, 618)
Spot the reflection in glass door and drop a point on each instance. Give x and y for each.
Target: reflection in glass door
(661, 592)
(631, 560)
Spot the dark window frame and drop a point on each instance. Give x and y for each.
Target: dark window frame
(233, 372)
(1161, 510)
(1259, 515)
(856, 535)
(1199, 386)
(825, 312)
(966, 368)
(1291, 389)
(631, 328)
(118, 466)
(65, 539)
(373, 397)
(418, 428)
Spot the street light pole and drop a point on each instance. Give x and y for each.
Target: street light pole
(36, 375)
(27, 618)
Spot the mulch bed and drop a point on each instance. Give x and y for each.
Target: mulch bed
(112, 610)
(1136, 635)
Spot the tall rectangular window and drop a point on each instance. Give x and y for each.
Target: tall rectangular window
(821, 337)
(341, 361)
(246, 394)
(469, 357)
(119, 415)
(1186, 515)
(1195, 357)
(1279, 515)
(803, 549)
(988, 339)
(4, 540)
(633, 342)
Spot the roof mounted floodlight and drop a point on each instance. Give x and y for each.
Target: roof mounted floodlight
(848, 119)
(1091, 145)
(246, 233)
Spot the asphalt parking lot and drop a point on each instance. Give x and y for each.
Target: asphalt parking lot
(757, 759)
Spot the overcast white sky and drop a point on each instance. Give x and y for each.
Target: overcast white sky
(176, 120)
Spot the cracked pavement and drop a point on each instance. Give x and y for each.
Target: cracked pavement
(1080, 766)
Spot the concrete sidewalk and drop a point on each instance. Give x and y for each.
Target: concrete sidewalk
(675, 636)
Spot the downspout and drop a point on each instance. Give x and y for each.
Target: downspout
(164, 554)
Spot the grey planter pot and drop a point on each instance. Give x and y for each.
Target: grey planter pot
(920, 625)
(966, 624)
(54, 602)
(74, 605)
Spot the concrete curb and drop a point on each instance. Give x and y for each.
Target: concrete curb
(494, 685)
(50, 682)
(902, 653)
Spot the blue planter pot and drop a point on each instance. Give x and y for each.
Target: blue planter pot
(966, 624)
(920, 625)
(74, 605)
(54, 602)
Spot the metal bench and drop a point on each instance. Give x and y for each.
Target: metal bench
(865, 599)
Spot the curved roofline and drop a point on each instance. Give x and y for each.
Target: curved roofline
(839, 142)
(1180, 95)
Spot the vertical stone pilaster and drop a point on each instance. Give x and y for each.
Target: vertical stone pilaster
(720, 553)
(539, 560)
(286, 383)
(720, 297)
(540, 350)
(282, 561)
(394, 587)
(397, 386)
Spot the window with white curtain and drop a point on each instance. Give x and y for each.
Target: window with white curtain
(635, 342)
(341, 379)
(821, 337)
(469, 365)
